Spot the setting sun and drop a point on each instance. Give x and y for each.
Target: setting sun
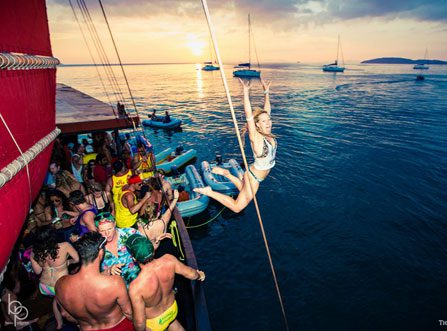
(195, 45)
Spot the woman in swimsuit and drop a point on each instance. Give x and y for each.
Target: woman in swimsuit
(101, 199)
(154, 227)
(59, 208)
(50, 259)
(263, 144)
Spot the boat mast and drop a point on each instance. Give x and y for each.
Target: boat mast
(249, 43)
(338, 47)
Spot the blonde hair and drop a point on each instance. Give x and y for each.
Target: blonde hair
(257, 112)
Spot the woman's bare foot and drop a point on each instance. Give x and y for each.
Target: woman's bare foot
(203, 190)
(220, 171)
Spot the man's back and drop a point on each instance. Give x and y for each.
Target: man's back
(93, 300)
(154, 285)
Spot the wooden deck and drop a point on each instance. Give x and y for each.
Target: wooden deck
(77, 112)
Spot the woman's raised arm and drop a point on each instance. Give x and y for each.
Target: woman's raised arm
(266, 87)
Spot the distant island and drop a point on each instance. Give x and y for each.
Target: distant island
(401, 60)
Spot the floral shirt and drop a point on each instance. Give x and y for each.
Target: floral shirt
(130, 269)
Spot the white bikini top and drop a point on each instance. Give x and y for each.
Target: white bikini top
(266, 160)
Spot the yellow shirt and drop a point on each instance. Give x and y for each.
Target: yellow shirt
(117, 184)
(89, 157)
(144, 165)
(124, 218)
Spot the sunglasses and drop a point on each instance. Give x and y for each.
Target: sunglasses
(101, 216)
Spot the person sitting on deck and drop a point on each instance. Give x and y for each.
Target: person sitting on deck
(90, 299)
(127, 206)
(121, 109)
(167, 118)
(151, 293)
(263, 144)
(117, 259)
(50, 259)
(85, 222)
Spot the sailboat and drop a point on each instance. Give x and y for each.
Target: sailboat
(422, 65)
(242, 67)
(209, 66)
(334, 67)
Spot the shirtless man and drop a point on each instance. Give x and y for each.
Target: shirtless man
(153, 301)
(94, 301)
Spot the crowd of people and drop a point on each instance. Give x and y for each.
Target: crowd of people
(91, 240)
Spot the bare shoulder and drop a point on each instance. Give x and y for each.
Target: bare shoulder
(61, 282)
(168, 258)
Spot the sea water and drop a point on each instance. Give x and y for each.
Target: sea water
(355, 210)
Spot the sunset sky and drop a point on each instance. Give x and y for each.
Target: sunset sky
(284, 30)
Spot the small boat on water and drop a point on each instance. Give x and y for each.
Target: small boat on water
(244, 69)
(220, 183)
(422, 65)
(174, 123)
(335, 67)
(209, 66)
(174, 158)
(188, 182)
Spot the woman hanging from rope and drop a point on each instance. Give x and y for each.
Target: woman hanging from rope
(263, 144)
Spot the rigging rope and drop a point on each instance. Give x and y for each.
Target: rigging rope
(92, 57)
(121, 65)
(100, 49)
(256, 51)
(227, 92)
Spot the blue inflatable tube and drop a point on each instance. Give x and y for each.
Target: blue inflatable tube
(191, 179)
(179, 160)
(173, 124)
(220, 183)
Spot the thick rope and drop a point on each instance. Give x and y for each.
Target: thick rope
(8, 172)
(227, 92)
(100, 48)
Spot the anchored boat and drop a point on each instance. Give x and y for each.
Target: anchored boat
(244, 69)
(335, 67)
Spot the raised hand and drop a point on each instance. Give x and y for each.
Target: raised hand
(245, 84)
(265, 84)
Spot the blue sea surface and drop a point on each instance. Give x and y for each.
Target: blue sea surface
(355, 210)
